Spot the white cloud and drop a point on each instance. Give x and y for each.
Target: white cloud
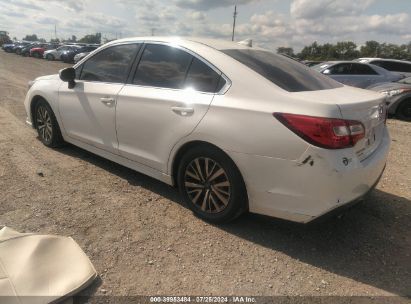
(204, 5)
(309, 9)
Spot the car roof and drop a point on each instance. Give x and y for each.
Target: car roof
(182, 41)
(384, 59)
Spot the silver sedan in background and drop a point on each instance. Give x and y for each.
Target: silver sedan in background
(360, 75)
(398, 97)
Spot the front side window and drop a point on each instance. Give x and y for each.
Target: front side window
(286, 73)
(339, 69)
(162, 66)
(362, 69)
(110, 65)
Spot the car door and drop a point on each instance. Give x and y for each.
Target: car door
(364, 75)
(88, 110)
(166, 98)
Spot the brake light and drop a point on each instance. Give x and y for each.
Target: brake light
(329, 133)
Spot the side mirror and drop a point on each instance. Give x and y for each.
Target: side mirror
(68, 75)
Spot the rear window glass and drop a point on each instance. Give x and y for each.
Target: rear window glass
(286, 73)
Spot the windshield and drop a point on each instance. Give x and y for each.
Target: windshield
(286, 73)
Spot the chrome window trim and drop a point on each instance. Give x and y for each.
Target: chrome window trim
(222, 91)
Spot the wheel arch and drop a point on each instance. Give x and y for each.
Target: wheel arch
(176, 159)
(34, 100)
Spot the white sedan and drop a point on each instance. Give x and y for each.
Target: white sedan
(235, 128)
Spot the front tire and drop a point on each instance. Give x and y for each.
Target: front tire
(46, 125)
(404, 110)
(49, 57)
(211, 185)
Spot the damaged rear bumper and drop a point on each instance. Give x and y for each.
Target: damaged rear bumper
(319, 182)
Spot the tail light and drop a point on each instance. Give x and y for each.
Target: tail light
(329, 133)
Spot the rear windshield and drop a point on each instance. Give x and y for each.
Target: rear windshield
(286, 73)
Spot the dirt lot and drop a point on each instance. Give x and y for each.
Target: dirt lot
(143, 241)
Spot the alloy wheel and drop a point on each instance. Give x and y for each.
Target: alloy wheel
(207, 185)
(43, 123)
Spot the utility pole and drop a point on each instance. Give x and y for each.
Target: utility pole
(55, 31)
(152, 31)
(235, 17)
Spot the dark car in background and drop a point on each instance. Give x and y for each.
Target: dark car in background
(401, 67)
(356, 74)
(11, 48)
(68, 56)
(18, 48)
(398, 97)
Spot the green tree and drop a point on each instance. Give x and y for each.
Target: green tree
(91, 38)
(371, 48)
(31, 38)
(346, 50)
(286, 50)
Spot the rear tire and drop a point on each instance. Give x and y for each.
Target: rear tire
(211, 184)
(404, 110)
(46, 125)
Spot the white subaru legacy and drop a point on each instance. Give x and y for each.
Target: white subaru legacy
(235, 128)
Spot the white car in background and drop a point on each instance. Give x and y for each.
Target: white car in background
(235, 128)
(56, 54)
(401, 67)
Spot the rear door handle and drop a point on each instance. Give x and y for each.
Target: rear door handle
(183, 111)
(107, 100)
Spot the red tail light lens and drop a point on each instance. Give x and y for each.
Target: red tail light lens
(329, 133)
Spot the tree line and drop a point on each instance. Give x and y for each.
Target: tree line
(91, 38)
(348, 50)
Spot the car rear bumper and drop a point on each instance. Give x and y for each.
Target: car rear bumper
(319, 182)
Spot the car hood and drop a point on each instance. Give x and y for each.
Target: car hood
(48, 77)
(48, 51)
(389, 86)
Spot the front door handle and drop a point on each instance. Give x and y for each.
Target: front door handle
(183, 111)
(107, 101)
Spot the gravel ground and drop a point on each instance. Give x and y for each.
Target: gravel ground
(143, 241)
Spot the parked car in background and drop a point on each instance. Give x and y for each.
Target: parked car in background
(356, 74)
(56, 53)
(311, 63)
(236, 128)
(7, 47)
(18, 48)
(68, 56)
(402, 67)
(398, 97)
(11, 48)
(38, 52)
(25, 51)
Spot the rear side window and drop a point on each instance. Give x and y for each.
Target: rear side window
(362, 69)
(162, 66)
(286, 73)
(393, 66)
(110, 65)
(201, 77)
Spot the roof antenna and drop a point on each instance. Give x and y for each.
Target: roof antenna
(246, 42)
(235, 17)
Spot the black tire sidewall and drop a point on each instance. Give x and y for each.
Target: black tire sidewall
(238, 199)
(405, 103)
(56, 138)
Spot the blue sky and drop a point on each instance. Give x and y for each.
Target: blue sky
(270, 23)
